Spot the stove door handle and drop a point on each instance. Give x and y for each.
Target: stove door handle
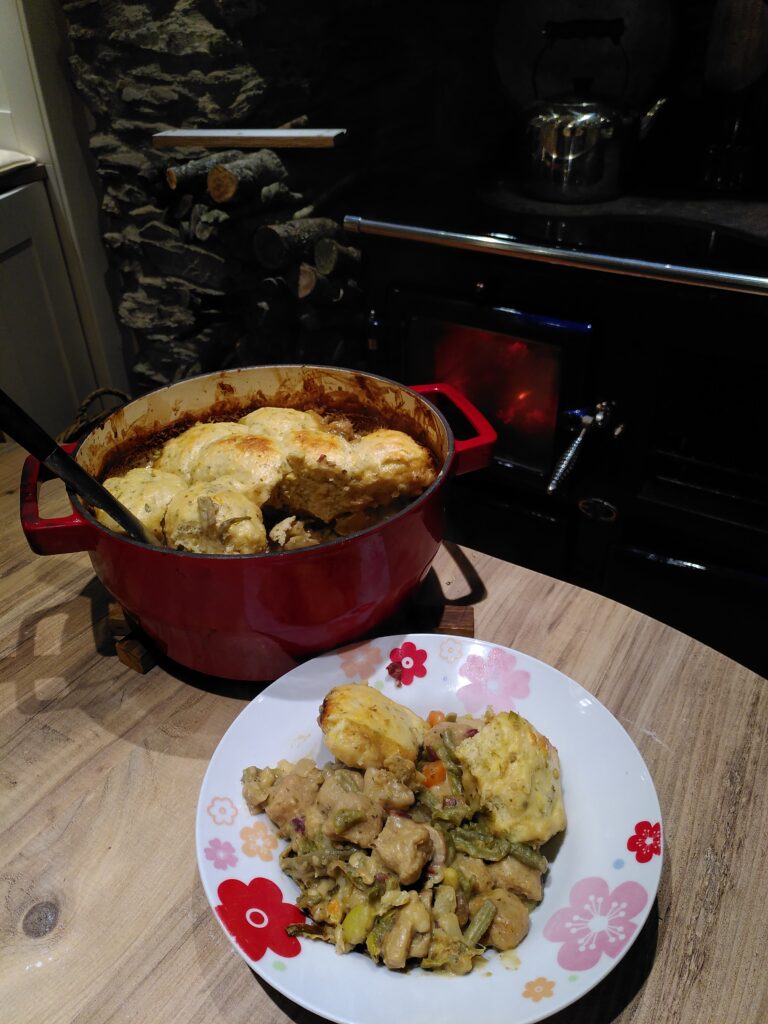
(598, 420)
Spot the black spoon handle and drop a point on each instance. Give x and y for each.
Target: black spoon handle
(30, 435)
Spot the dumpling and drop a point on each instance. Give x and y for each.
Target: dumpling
(248, 462)
(278, 423)
(213, 520)
(388, 464)
(146, 492)
(318, 479)
(180, 454)
(517, 772)
(364, 728)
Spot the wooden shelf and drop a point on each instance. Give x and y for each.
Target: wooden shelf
(251, 138)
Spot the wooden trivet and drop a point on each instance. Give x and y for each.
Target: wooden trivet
(130, 646)
(457, 620)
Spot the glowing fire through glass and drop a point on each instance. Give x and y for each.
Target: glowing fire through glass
(514, 381)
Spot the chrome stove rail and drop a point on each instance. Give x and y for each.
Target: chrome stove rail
(506, 245)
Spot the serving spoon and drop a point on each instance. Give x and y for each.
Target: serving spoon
(30, 435)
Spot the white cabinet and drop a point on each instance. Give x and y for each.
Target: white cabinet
(44, 360)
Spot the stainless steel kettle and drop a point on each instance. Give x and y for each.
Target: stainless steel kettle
(577, 151)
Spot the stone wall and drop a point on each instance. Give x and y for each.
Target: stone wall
(193, 292)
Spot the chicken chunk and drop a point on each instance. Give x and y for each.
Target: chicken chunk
(383, 787)
(292, 533)
(512, 874)
(291, 797)
(347, 812)
(409, 934)
(510, 923)
(474, 870)
(404, 846)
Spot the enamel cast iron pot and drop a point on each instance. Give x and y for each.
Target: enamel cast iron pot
(255, 616)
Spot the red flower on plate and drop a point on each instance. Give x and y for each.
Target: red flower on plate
(646, 842)
(256, 917)
(406, 663)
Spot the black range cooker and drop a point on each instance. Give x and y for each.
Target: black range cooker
(622, 353)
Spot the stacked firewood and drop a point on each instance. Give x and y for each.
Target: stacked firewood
(297, 282)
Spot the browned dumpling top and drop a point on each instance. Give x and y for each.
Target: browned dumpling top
(201, 488)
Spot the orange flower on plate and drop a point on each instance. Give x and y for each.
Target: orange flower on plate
(258, 841)
(539, 988)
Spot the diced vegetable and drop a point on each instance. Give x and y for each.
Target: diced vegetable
(434, 773)
(333, 910)
(451, 877)
(358, 923)
(435, 717)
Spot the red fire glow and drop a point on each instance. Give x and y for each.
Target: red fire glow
(513, 381)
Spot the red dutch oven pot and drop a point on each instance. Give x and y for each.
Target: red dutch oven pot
(256, 616)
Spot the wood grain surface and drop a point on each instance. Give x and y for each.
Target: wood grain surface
(103, 916)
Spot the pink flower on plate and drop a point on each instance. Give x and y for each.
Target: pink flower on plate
(406, 663)
(360, 661)
(597, 921)
(646, 842)
(222, 810)
(221, 854)
(494, 681)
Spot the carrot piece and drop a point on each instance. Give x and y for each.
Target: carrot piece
(435, 717)
(434, 773)
(333, 908)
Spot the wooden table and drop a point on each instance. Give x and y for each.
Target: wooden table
(104, 918)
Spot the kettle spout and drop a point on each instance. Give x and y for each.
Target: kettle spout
(648, 117)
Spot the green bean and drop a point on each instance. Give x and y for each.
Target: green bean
(375, 939)
(480, 923)
(453, 768)
(344, 819)
(473, 841)
(529, 856)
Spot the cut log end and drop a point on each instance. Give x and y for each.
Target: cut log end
(275, 245)
(245, 176)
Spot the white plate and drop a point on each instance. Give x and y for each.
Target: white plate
(601, 883)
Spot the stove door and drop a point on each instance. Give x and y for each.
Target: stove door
(524, 371)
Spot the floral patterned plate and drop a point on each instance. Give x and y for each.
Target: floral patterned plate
(602, 880)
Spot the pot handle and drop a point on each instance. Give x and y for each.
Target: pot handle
(474, 452)
(56, 536)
